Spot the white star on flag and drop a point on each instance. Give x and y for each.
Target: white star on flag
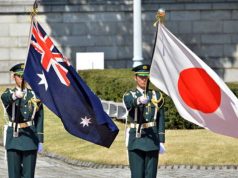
(85, 121)
(43, 80)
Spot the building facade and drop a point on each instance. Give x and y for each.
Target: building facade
(207, 27)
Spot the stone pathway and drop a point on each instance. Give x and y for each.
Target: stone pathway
(53, 168)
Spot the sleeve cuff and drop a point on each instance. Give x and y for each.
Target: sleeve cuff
(40, 137)
(162, 137)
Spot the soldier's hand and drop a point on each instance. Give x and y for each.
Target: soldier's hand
(161, 148)
(143, 99)
(40, 148)
(19, 94)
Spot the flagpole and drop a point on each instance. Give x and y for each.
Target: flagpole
(33, 13)
(160, 17)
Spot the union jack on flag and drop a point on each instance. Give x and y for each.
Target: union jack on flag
(62, 90)
(50, 56)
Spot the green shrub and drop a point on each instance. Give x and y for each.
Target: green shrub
(173, 119)
(111, 84)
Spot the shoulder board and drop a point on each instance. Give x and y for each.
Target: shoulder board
(33, 93)
(150, 91)
(131, 91)
(10, 90)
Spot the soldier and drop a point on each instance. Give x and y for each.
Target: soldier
(25, 127)
(147, 126)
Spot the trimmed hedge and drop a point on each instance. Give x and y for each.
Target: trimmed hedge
(111, 84)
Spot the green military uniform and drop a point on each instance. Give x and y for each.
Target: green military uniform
(143, 150)
(22, 149)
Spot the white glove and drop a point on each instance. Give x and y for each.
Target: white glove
(40, 148)
(143, 99)
(161, 148)
(18, 94)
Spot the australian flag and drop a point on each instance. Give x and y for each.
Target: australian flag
(61, 89)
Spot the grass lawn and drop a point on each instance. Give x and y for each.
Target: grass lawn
(197, 147)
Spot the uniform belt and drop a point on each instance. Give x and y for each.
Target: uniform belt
(21, 125)
(144, 125)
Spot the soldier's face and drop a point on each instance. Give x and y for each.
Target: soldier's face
(141, 81)
(18, 80)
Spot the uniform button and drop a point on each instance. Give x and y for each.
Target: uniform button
(25, 105)
(25, 112)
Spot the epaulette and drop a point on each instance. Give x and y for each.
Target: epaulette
(130, 91)
(35, 97)
(9, 90)
(133, 90)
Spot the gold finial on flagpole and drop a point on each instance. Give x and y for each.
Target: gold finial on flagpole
(160, 16)
(35, 8)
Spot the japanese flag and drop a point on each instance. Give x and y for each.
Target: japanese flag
(198, 93)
